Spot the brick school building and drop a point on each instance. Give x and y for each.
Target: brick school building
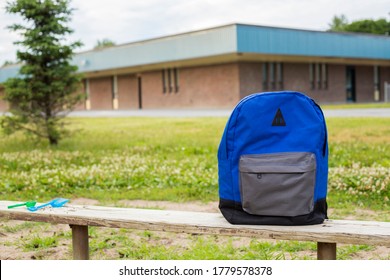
(216, 67)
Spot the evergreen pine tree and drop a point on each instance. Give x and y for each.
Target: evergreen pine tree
(45, 90)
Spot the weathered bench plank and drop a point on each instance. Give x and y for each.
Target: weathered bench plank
(332, 231)
(80, 217)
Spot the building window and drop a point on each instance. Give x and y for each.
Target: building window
(164, 81)
(279, 73)
(376, 77)
(324, 73)
(311, 75)
(176, 78)
(265, 76)
(170, 80)
(170, 85)
(272, 76)
(318, 76)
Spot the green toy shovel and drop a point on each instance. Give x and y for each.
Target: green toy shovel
(27, 204)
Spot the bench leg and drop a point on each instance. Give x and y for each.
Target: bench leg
(80, 242)
(326, 251)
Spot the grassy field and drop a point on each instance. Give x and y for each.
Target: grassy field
(116, 159)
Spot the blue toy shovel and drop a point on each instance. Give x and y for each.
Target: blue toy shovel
(56, 203)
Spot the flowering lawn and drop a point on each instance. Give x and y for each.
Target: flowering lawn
(114, 159)
(175, 159)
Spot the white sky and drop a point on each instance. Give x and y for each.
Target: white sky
(124, 21)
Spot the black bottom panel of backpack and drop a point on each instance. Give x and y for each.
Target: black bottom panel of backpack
(234, 214)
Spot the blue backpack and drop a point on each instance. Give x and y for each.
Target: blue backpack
(273, 161)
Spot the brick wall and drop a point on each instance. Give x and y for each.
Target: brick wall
(151, 88)
(127, 92)
(100, 92)
(364, 83)
(223, 85)
(215, 86)
(296, 77)
(337, 79)
(250, 78)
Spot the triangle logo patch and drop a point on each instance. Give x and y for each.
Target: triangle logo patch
(278, 119)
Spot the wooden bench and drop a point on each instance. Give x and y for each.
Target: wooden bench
(79, 217)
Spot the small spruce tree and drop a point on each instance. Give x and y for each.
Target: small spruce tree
(47, 86)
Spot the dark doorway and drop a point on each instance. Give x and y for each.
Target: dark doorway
(139, 92)
(351, 84)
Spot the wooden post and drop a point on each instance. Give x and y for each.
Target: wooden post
(80, 242)
(326, 251)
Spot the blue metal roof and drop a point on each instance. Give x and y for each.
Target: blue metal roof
(230, 39)
(271, 40)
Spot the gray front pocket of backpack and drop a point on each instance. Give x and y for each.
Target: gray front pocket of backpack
(279, 184)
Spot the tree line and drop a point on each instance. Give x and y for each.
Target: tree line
(372, 26)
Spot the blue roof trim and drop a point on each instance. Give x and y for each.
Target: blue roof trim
(172, 48)
(271, 40)
(9, 71)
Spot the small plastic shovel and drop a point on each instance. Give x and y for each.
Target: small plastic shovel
(56, 203)
(27, 204)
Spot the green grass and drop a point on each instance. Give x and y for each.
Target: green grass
(18, 227)
(175, 159)
(166, 159)
(347, 252)
(113, 159)
(152, 247)
(38, 242)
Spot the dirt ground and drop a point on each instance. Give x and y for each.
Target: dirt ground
(15, 234)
